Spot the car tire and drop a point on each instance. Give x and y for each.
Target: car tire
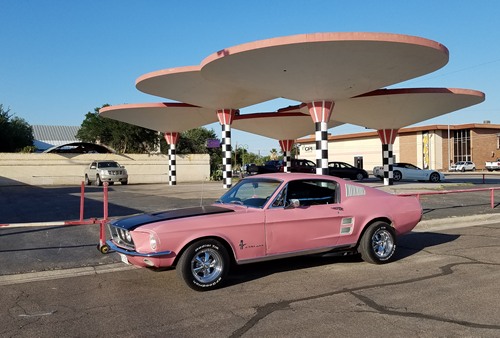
(204, 265)
(98, 181)
(396, 175)
(378, 243)
(463, 169)
(360, 176)
(124, 182)
(87, 181)
(434, 177)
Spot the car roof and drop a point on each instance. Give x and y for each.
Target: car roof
(296, 176)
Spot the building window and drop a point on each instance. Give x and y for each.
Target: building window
(461, 151)
(498, 141)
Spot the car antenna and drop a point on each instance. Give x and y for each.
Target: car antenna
(202, 191)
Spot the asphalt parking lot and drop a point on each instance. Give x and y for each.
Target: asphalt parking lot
(443, 282)
(66, 247)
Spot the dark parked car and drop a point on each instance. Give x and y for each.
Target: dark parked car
(274, 166)
(345, 170)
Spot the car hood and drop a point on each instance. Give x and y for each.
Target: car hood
(132, 222)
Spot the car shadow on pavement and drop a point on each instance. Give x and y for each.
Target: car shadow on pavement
(407, 245)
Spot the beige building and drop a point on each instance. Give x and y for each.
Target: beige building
(425, 146)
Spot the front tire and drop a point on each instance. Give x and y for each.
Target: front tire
(87, 181)
(434, 178)
(204, 265)
(98, 181)
(378, 243)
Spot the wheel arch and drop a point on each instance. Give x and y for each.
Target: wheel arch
(221, 240)
(377, 219)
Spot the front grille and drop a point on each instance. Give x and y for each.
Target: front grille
(119, 236)
(115, 172)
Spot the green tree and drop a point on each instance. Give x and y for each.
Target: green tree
(121, 136)
(16, 134)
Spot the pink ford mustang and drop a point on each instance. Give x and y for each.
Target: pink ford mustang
(267, 217)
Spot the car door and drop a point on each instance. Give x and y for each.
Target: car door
(313, 225)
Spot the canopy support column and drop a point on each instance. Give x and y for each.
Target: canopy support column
(320, 113)
(226, 117)
(172, 138)
(286, 147)
(387, 136)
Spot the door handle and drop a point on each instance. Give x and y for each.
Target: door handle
(338, 208)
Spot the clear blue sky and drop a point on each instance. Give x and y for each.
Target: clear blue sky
(60, 59)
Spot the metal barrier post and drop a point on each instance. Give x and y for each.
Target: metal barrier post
(492, 198)
(82, 199)
(105, 201)
(103, 247)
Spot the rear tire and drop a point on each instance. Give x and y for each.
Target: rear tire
(378, 243)
(98, 181)
(204, 265)
(360, 176)
(396, 175)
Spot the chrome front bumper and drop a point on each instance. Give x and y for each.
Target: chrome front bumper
(113, 247)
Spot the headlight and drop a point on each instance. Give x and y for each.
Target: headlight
(128, 236)
(152, 242)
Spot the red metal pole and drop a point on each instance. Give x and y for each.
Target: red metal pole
(492, 198)
(82, 199)
(102, 235)
(105, 201)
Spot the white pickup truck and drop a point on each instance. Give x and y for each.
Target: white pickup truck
(105, 171)
(490, 166)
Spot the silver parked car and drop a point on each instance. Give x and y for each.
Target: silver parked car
(463, 166)
(105, 171)
(407, 171)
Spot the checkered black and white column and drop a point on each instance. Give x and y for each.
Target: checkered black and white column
(172, 138)
(225, 117)
(320, 112)
(286, 147)
(387, 137)
(321, 148)
(172, 176)
(387, 161)
(227, 169)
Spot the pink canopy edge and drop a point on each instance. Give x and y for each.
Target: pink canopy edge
(325, 37)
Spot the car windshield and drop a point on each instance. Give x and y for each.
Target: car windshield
(109, 164)
(251, 192)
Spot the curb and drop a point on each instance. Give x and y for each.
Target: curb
(456, 222)
(64, 273)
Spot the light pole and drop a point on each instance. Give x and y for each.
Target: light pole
(243, 147)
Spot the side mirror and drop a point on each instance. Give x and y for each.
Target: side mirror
(294, 203)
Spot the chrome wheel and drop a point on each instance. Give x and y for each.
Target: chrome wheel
(207, 265)
(378, 243)
(382, 244)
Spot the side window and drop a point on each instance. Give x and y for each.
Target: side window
(312, 192)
